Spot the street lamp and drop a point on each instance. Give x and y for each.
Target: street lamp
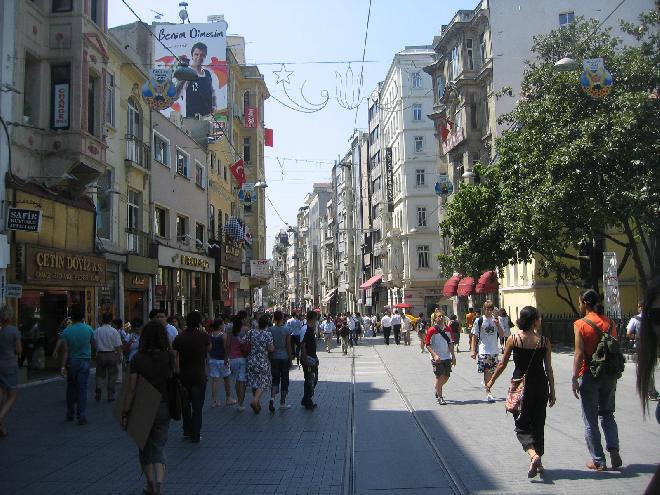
(566, 64)
(261, 185)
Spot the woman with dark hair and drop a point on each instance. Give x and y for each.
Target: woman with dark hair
(647, 356)
(155, 363)
(259, 376)
(532, 355)
(237, 362)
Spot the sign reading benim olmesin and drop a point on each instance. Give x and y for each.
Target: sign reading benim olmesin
(24, 220)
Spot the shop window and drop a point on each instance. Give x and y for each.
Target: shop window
(60, 96)
(160, 221)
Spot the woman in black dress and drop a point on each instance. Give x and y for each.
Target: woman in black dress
(532, 355)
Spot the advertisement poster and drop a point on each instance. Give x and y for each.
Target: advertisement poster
(611, 285)
(259, 269)
(247, 194)
(204, 45)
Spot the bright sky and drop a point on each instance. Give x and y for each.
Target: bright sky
(297, 32)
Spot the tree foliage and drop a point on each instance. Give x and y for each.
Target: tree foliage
(572, 170)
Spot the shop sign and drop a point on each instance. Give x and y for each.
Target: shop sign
(14, 291)
(389, 179)
(51, 267)
(259, 269)
(136, 281)
(24, 220)
(195, 262)
(61, 106)
(230, 255)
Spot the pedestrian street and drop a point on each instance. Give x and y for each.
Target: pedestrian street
(377, 429)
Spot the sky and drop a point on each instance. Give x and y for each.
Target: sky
(298, 33)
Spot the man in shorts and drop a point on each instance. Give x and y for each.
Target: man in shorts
(485, 332)
(441, 349)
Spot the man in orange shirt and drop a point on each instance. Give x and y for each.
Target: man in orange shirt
(597, 395)
(469, 319)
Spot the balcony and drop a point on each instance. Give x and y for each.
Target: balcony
(138, 242)
(138, 154)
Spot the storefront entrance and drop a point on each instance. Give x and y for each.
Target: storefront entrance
(134, 305)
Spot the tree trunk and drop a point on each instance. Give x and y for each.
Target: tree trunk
(639, 265)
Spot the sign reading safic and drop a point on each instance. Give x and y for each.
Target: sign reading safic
(51, 267)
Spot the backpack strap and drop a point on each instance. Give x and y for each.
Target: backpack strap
(596, 327)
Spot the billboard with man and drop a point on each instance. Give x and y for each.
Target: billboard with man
(204, 45)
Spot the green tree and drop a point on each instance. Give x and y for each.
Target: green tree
(572, 171)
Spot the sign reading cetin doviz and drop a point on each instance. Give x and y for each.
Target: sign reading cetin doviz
(65, 268)
(205, 46)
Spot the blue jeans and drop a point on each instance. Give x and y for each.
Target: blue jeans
(76, 387)
(597, 396)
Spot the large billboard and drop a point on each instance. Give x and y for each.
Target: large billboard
(204, 45)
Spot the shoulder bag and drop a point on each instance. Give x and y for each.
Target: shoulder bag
(175, 393)
(516, 393)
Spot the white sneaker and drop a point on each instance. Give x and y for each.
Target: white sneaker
(490, 398)
(285, 406)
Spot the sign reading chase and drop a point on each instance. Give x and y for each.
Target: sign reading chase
(50, 267)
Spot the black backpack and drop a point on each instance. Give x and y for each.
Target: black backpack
(607, 360)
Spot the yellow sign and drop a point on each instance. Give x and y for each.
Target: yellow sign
(45, 266)
(193, 261)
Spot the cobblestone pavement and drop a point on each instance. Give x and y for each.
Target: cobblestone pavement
(378, 429)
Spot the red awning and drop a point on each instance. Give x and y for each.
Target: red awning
(487, 283)
(371, 281)
(466, 287)
(451, 286)
(403, 306)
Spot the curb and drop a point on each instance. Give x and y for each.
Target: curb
(45, 381)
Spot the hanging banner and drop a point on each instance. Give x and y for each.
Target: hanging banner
(259, 269)
(611, 285)
(205, 46)
(389, 180)
(61, 106)
(251, 117)
(247, 195)
(443, 186)
(159, 91)
(595, 80)
(238, 171)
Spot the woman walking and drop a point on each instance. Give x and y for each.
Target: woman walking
(237, 361)
(219, 368)
(532, 355)
(10, 350)
(259, 376)
(153, 362)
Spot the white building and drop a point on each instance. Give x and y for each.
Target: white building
(408, 159)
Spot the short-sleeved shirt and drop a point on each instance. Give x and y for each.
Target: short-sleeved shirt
(295, 327)
(171, 332)
(9, 336)
(156, 367)
(351, 323)
(488, 335)
(590, 337)
(396, 320)
(280, 333)
(439, 342)
(192, 347)
(328, 327)
(386, 321)
(107, 338)
(79, 338)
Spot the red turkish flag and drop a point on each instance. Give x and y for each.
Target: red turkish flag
(238, 171)
(268, 137)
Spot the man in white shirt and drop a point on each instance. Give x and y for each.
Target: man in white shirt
(485, 334)
(108, 346)
(295, 327)
(441, 349)
(386, 325)
(328, 328)
(159, 315)
(350, 321)
(366, 324)
(396, 327)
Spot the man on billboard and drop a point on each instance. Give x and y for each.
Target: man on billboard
(199, 95)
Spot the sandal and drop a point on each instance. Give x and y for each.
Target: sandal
(534, 466)
(256, 408)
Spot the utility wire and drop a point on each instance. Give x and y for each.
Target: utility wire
(277, 212)
(364, 52)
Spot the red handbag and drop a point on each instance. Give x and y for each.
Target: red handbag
(516, 393)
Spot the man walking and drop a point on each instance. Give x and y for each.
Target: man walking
(310, 361)
(396, 327)
(108, 347)
(484, 342)
(159, 315)
(441, 349)
(192, 347)
(386, 325)
(596, 393)
(280, 361)
(77, 341)
(328, 329)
